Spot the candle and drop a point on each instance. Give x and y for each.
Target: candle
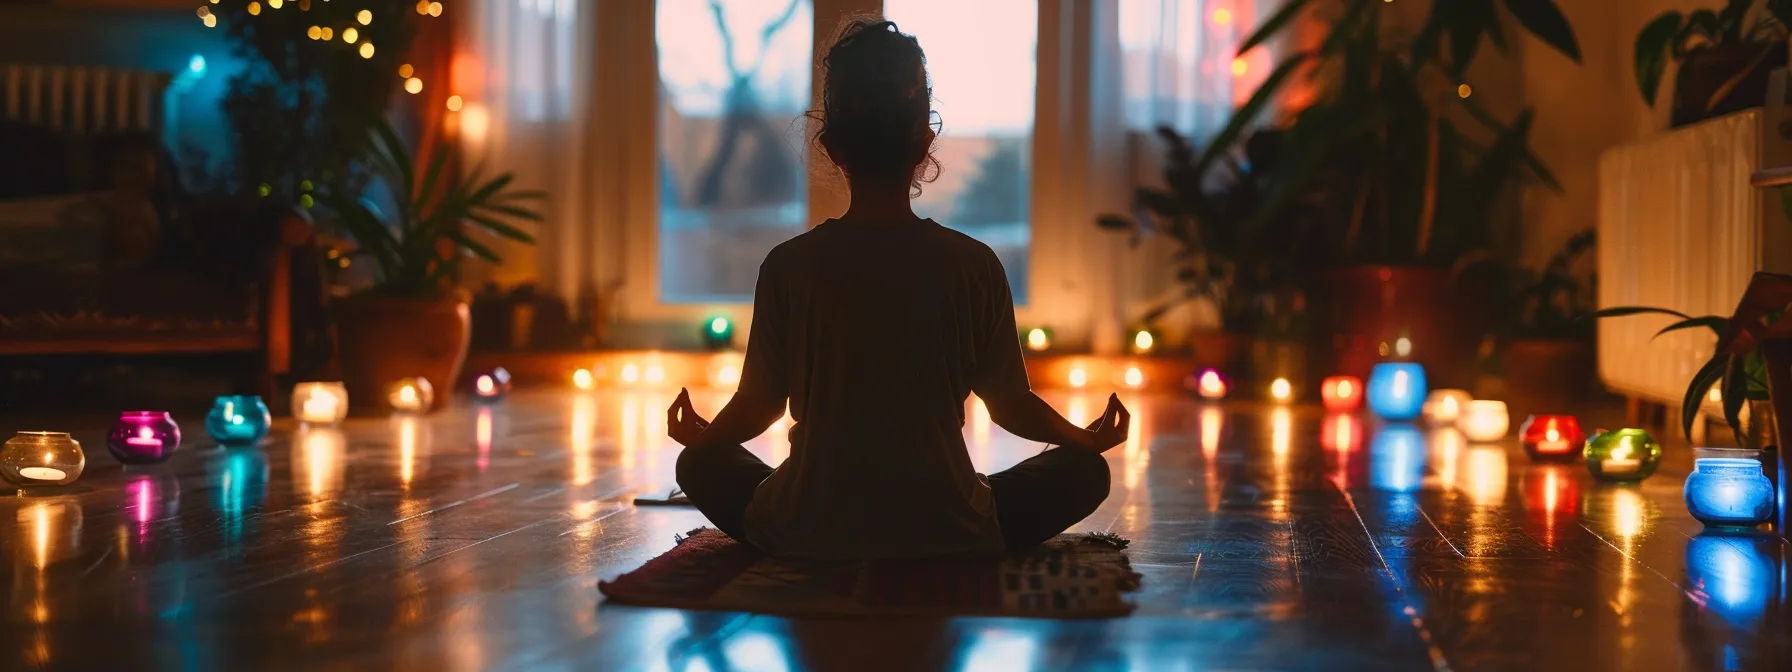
(1142, 342)
(1341, 394)
(41, 459)
(1078, 377)
(1552, 437)
(236, 420)
(1039, 339)
(410, 395)
(582, 379)
(1727, 488)
(1484, 420)
(1622, 455)
(319, 403)
(493, 384)
(1134, 378)
(718, 333)
(1396, 390)
(143, 437)
(1210, 385)
(1281, 390)
(1443, 407)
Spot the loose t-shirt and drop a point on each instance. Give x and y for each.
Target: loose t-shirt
(877, 333)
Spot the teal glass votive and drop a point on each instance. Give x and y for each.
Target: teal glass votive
(1622, 455)
(238, 420)
(1727, 488)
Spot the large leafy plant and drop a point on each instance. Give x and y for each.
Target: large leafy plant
(1738, 373)
(1204, 213)
(417, 248)
(1381, 145)
(1551, 303)
(1673, 36)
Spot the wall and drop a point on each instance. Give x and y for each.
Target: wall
(1584, 110)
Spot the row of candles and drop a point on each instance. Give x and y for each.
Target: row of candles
(31, 459)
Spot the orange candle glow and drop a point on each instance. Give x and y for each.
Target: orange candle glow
(1341, 394)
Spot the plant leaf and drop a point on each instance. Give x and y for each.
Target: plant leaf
(501, 229)
(1708, 375)
(1735, 393)
(1545, 20)
(1653, 45)
(1247, 113)
(1714, 323)
(478, 249)
(1625, 311)
(1115, 222)
(1273, 24)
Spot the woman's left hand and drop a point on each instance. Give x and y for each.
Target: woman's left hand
(682, 422)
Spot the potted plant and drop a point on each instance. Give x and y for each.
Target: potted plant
(1402, 190)
(1543, 338)
(1203, 210)
(1724, 56)
(412, 320)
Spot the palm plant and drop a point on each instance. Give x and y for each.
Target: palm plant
(1673, 36)
(417, 249)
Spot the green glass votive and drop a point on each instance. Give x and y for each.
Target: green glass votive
(1622, 455)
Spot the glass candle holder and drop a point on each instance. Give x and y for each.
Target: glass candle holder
(718, 333)
(1443, 407)
(1341, 394)
(1552, 438)
(143, 437)
(318, 403)
(41, 458)
(491, 385)
(238, 419)
(1037, 339)
(1397, 390)
(1484, 421)
(1623, 455)
(410, 395)
(1727, 488)
(1210, 385)
(1141, 341)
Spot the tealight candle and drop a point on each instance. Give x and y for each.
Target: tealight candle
(1134, 377)
(1341, 394)
(240, 419)
(1551, 437)
(1281, 390)
(1143, 341)
(718, 333)
(1078, 377)
(1727, 488)
(143, 437)
(1210, 385)
(410, 395)
(1484, 421)
(492, 385)
(1622, 455)
(317, 403)
(1396, 390)
(41, 458)
(1443, 407)
(1038, 339)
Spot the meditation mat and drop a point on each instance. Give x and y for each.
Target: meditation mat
(1070, 576)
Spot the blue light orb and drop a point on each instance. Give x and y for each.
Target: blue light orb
(1397, 458)
(1729, 492)
(197, 64)
(1397, 390)
(238, 420)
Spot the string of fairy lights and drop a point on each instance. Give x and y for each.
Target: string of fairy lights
(349, 34)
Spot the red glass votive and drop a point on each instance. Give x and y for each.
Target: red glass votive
(143, 437)
(1341, 394)
(1552, 437)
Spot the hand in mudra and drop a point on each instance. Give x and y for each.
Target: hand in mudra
(682, 422)
(1112, 427)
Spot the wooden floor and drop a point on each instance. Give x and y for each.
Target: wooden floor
(474, 539)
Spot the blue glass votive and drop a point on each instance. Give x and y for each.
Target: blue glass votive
(1397, 390)
(1728, 489)
(237, 420)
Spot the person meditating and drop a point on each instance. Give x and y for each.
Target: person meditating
(875, 327)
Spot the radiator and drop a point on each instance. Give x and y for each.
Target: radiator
(82, 99)
(1680, 227)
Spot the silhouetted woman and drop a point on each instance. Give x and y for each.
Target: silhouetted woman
(875, 327)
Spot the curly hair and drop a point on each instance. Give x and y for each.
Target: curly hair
(876, 119)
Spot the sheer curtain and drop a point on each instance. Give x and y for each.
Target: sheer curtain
(526, 79)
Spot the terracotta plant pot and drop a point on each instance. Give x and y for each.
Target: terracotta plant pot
(1368, 307)
(1704, 71)
(385, 338)
(1552, 372)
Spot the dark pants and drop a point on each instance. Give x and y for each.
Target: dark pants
(1035, 500)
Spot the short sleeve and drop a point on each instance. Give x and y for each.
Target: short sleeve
(1001, 370)
(765, 374)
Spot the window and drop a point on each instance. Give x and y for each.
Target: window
(734, 81)
(1180, 63)
(981, 57)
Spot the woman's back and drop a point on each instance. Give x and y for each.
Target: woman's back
(880, 330)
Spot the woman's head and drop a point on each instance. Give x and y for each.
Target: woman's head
(876, 109)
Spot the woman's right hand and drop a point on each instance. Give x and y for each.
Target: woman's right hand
(1111, 428)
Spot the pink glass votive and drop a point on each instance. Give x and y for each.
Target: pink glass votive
(143, 437)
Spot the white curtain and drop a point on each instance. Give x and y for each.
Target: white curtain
(1180, 65)
(526, 76)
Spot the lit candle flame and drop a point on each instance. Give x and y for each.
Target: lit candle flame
(485, 385)
(1037, 340)
(1142, 341)
(1078, 377)
(1134, 377)
(1281, 389)
(583, 380)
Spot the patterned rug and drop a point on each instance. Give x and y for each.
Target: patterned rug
(1071, 576)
